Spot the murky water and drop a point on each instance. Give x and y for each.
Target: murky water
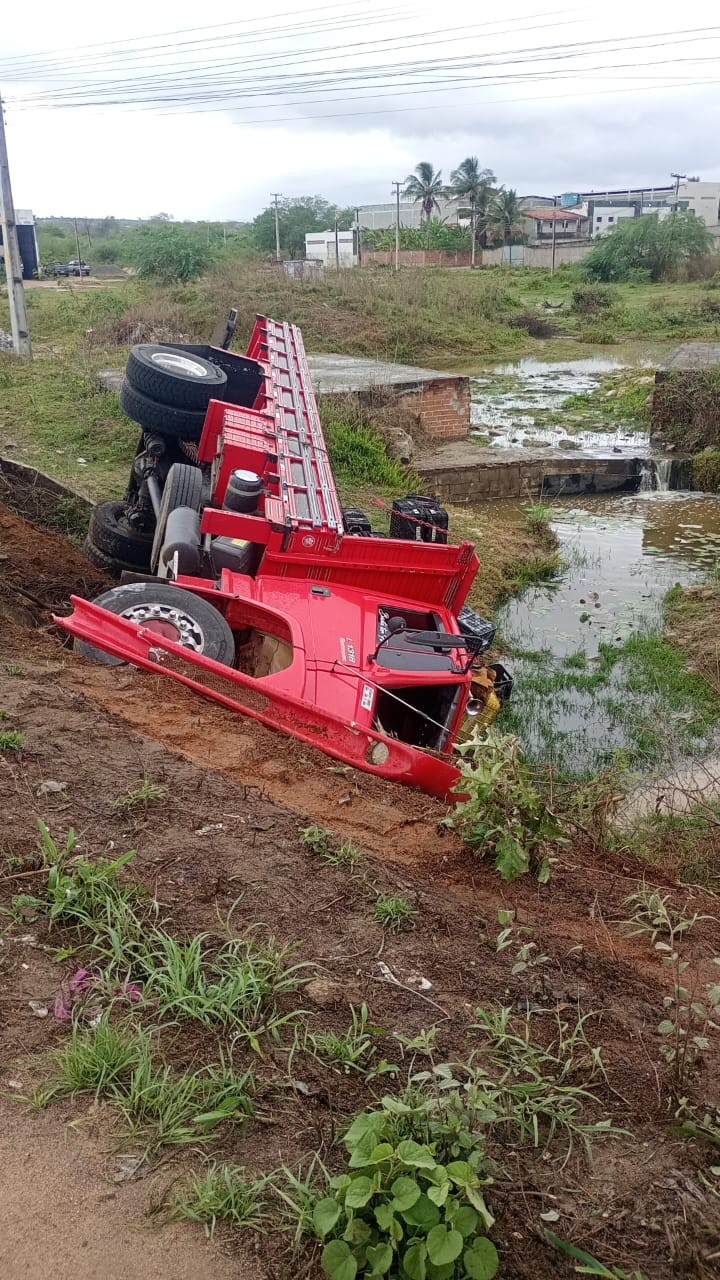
(575, 701)
(511, 402)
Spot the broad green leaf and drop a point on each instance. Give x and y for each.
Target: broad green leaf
(362, 1151)
(481, 1259)
(380, 1258)
(414, 1261)
(395, 1231)
(461, 1173)
(357, 1232)
(383, 1151)
(440, 1273)
(476, 1199)
(422, 1214)
(359, 1192)
(439, 1195)
(463, 1218)
(444, 1245)
(413, 1154)
(511, 859)
(666, 1027)
(383, 1216)
(325, 1215)
(338, 1262)
(405, 1193)
(341, 1182)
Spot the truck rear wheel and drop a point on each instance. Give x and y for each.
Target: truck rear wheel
(111, 532)
(160, 419)
(175, 377)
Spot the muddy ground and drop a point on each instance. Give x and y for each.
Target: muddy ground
(228, 833)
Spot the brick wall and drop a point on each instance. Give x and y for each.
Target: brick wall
(444, 409)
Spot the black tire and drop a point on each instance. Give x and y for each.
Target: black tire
(183, 488)
(207, 633)
(110, 531)
(107, 564)
(160, 419)
(173, 377)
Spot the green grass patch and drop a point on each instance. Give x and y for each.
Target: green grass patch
(685, 844)
(358, 455)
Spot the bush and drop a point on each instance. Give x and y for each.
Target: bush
(706, 471)
(169, 253)
(358, 455)
(662, 247)
(686, 407)
(598, 334)
(589, 299)
(537, 326)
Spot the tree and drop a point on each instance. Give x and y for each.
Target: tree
(424, 186)
(169, 252)
(297, 217)
(651, 244)
(470, 182)
(505, 216)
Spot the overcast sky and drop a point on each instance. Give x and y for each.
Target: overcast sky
(133, 109)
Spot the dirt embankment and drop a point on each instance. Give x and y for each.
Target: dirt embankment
(226, 837)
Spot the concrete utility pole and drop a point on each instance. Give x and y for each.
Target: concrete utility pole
(677, 177)
(397, 186)
(337, 246)
(357, 231)
(276, 196)
(11, 251)
(554, 226)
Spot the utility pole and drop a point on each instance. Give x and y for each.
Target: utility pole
(397, 186)
(554, 226)
(11, 251)
(77, 243)
(677, 177)
(276, 196)
(357, 229)
(472, 231)
(337, 246)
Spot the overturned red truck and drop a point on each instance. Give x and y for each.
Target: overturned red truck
(242, 577)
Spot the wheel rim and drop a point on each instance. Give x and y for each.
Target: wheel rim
(169, 622)
(179, 364)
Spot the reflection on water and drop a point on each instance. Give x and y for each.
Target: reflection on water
(622, 553)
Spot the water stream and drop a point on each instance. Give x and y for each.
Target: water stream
(586, 686)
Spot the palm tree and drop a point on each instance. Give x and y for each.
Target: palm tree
(505, 216)
(424, 186)
(470, 182)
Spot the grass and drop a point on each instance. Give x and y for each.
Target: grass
(145, 793)
(686, 844)
(326, 846)
(393, 912)
(349, 1050)
(222, 1193)
(11, 740)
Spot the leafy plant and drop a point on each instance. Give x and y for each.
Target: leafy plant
(501, 811)
(399, 1212)
(393, 912)
(169, 253)
(11, 740)
(317, 839)
(323, 843)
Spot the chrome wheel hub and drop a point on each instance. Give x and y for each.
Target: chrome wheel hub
(168, 621)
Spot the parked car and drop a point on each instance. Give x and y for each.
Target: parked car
(75, 268)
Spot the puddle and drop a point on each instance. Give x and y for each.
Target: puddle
(512, 403)
(575, 699)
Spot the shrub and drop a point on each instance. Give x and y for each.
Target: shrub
(169, 253)
(706, 471)
(662, 247)
(537, 326)
(589, 299)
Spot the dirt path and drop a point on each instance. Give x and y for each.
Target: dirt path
(226, 838)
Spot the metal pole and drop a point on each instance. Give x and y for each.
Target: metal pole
(397, 225)
(275, 195)
(337, 247)
(552, 268)
(359, 245)
(11, 250)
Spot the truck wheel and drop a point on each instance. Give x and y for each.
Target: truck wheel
(174, 614)
(160, 419)
(107, 564)
(183, 488)
(173, 377)
(111, 532)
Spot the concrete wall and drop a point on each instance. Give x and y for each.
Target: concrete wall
(529, 478)
(538, 255)
(420, 257)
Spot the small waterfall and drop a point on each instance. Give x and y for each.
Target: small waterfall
(664, 474)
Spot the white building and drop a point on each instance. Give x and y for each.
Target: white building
(333, 249)
(606, 216)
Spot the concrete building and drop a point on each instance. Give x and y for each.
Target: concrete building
(27, 240)
(332, 249)
(377, 217)
(568, 224)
